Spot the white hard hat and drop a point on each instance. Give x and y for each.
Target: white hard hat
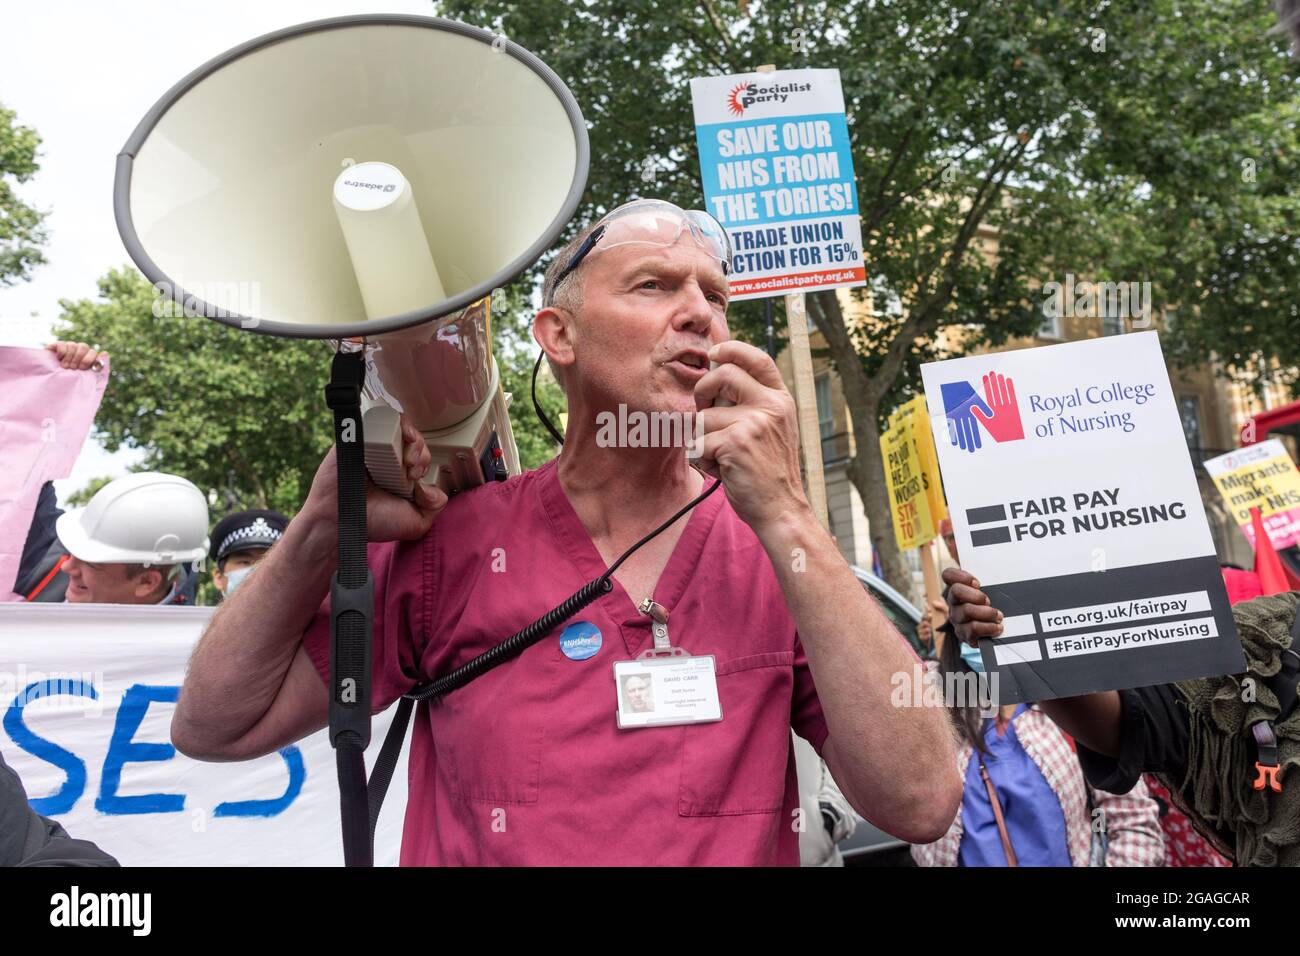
(142, 518)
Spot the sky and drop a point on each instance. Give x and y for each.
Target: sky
(83, 74)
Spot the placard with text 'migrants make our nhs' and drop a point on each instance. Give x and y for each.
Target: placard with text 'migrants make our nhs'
(1076, 506)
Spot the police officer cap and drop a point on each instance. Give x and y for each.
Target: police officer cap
(245, 530)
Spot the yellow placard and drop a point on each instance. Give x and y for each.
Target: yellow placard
(1261, 476)
(908, 501)
(917, 415)
(914, 416)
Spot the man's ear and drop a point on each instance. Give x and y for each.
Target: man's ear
(148, 582)
(553, 328)
(219, 579)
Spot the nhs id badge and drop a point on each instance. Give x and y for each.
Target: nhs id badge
(668, 690)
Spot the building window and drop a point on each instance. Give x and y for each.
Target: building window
(1112, 324)
(1189, 410)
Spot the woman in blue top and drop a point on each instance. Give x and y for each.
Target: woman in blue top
(1026, 802)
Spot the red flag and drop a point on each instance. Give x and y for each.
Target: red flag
(1241, 585)
(1272, 576)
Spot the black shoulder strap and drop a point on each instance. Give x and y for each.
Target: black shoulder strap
(351, 611)
(382, 774)
(1283, 683)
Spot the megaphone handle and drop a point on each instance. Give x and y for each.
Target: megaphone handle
(383, 436)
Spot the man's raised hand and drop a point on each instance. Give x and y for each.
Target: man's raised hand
(753, 445)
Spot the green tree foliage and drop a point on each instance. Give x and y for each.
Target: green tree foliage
(238, 414)
(21, 228)
(81, 497)
(1151, 142)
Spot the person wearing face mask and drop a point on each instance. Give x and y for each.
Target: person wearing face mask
(239, 541)
(1026, 802)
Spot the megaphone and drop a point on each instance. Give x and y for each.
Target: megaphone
(368, 180)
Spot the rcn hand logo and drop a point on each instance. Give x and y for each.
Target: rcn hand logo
(997, 411)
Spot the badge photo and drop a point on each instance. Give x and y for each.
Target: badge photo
(666, 691)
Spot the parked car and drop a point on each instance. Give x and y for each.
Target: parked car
(902, 612)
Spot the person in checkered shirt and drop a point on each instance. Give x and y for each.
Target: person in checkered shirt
(1045, 814)
(1201, 738)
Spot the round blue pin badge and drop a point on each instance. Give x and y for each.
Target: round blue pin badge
(580, 641)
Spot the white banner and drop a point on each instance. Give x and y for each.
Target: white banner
(88, 692)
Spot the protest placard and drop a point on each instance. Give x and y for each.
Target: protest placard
(908, 503)
(916, 415)
(1075, 505)
(778, 174)
(1261, 476)
(912, 474)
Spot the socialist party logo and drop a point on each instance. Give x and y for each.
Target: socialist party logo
(997, 411)
(746, 94)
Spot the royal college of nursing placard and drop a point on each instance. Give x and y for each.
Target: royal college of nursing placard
(1076, 506)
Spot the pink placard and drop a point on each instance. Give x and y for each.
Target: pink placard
(45, 415)
(1283, 529)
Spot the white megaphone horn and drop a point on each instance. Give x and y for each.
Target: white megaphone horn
(366, 180)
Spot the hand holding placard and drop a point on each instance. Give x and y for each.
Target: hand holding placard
(969, 609)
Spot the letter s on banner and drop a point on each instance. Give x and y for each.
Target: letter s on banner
(67, 795)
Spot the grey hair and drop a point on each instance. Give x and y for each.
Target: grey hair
(569, 297)
(169, 573)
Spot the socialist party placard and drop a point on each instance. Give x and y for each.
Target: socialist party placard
(778, 174)
(1074, 503)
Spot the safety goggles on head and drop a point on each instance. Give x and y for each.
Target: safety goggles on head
(658, 223)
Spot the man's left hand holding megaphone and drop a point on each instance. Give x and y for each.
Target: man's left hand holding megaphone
(388, 516)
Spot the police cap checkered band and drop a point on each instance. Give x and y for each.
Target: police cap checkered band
(245, 530)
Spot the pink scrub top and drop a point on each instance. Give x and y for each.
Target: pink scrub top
(525, 765)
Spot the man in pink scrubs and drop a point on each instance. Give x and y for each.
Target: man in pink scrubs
(527, 764)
